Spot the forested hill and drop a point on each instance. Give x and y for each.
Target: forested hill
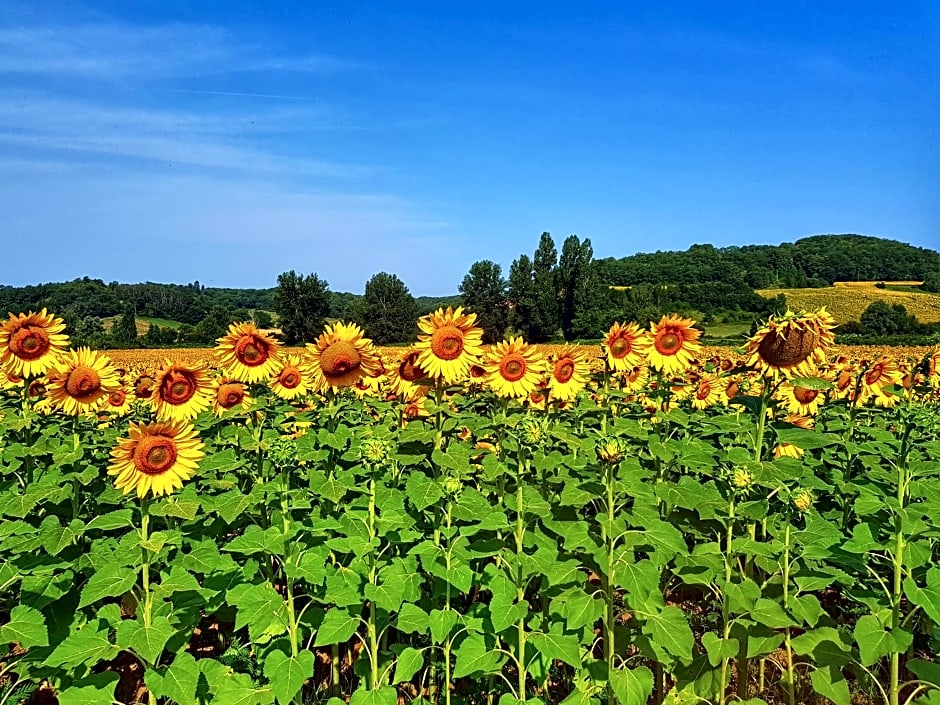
(812, 261)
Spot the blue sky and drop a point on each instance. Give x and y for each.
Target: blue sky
(230, 141)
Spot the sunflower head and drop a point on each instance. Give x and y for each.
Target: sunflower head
(673, 344)
(81, 380)
(30, 343)
(514, 368)
(625, 346)
(230, 395)
(375, 452)
(341, 356)
(248, 355)
(181, 391)
(706, 391)
(802, 500)
(118, 402)
(155, 458)
(741, 479)
(568, 374)
(791, 345)
(294, 378)
(611, 450)
(449, 343)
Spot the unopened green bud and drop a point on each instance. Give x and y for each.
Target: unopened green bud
(375, 451)
(531, 432)
(452, 485)
(611, 450)
(802, 501)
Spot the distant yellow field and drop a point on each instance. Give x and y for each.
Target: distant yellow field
(846, 300)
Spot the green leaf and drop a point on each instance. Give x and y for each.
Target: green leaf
(412, 619)
(287, 673)
(86, 646)
(26, 627)
(718, 648)
(875, 642)
(262, 609)
(442, 623)
(178, 682)
(830, 683)
(118, 519)
(56, 538)
(422, 491)
(257, 540)
(97, 689)
(146, 642)
(409, 662)
(337, 627)
(670, 631)
(556, 646)
(632, 686)
(110, 581)
(927, 598)
(474, 656)
(771, 614)
(386, 695)
(826, 645)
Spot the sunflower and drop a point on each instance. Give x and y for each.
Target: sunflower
(118, 402)
(181, 391)
(156, 458)
(80, 380)
(879, 375)
(10, 381)
(248, 355)
(787, 450)
(933, 368)
(230, 394)
(513, 368)
(706, 392)
(403, 379)
(800, 400)
(143, 386)
(415, 409)
(569, 373)
(294, 378)
(791, 345)
(732, 387)
(30, 343)
(625, 346)
(341, 356)
(634, 379)
(449, 343)
(674, 344)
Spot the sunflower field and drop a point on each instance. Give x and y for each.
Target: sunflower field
(644, 522)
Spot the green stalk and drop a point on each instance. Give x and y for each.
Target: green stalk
(607, 582)
(448, 642)
(725, 608)
(791, 693)
(371, 627)
(520, 579)
(894, 690)
(145, 575)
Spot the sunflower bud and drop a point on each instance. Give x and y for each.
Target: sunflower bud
(802, 501)
(375, 451)
(531, 432)
(741, 479)
(611, 451)
(452, 486)
(283, 452)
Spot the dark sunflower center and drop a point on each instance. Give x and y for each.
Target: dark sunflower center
(178, 387)
(732, 390)
(787, 350)
(668, 342)
(704, 390)
(512, 368)
(117, 398)
(564, 370)
(339, 359)
(143, 387)
(251, 351)
(82, 383)
(874, 374)
(36, 388)
(447, 342)
(289, 378)
(30, 342)
(409, 371)
(230, 395)
(621, 347)
(154, 455)
(804, 395)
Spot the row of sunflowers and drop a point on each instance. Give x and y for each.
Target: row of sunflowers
(648, 521)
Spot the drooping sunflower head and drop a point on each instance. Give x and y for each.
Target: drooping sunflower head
(876, 378)
(341, 356)
(625, 346)
(294, 378)
(791, 345)
(248, 355)
(81, 380)
(30, 343)
(143, 385)
(155, 458)
(568, 374)
(231, 396)
(674, 344)
(181, 391)
(514, 368)
(449, 343)
(404, 378)
(8, 380)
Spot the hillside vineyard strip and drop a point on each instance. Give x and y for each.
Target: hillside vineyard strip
(645, 521)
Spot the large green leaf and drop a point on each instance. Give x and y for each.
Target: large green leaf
(110, 581)
(557, 646)
(146, 641)
(632, 686)
(474, 656)
(287, 673)
(337, 627)
(88, 645)
(97, 689)
(178, 681)
(26, 627)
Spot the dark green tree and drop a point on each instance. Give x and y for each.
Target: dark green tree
(883, 318)
(124, 330)
(545, 317)
(213, 325)
(522, 299)
(484, 293)
(932, 283)
(302, 304)
(388, 311)
(572, 280)
(262, 318)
